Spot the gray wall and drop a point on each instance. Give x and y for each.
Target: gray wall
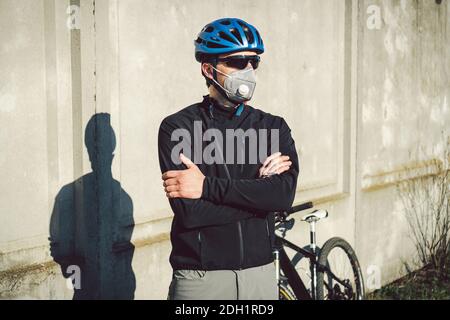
(358, 100)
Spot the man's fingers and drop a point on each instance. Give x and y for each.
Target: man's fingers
(171, 174)
(276, 167)
(173, 194)
(283, 169)
(276, 159)
(181, 194)
(172, 188)
(263, 172)
(170, 182)
(277, 162)
(186, 161)
(272, 156)
(269, 167)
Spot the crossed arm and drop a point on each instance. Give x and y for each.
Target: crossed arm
(200, 201)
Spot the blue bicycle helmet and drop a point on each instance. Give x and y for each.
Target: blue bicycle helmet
(227, 35)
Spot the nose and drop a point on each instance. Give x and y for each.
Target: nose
(249, 66)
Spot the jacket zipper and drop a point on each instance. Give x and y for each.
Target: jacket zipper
(268, 234)
(243, 155)
(200, 247)
(241, 241)
(241, 246)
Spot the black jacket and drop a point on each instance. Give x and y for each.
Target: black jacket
(232, 225)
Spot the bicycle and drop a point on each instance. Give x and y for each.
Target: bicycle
(324, 282)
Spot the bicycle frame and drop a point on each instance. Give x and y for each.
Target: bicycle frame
(283, 262)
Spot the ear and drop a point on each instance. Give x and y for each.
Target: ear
(207, 70)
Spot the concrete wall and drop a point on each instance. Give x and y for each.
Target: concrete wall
(403, 96)
(357, 98)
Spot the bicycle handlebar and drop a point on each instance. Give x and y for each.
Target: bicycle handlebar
(283, 215)
(300, 207)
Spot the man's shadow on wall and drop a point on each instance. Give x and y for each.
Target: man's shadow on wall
(92, 223)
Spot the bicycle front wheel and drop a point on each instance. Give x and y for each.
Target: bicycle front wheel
(339, 275)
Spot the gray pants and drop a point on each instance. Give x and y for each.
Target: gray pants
(257, 283)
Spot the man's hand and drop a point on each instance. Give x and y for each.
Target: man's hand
(186, 184)
(275, 164)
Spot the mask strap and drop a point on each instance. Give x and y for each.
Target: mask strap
(223, 91)
(226, 75)
(217, 82)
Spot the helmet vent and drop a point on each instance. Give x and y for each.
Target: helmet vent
(199, 40)
(237, 35)
(223, 35)
(248, 33)
(225, 22)
(209, 29)
(214, 45)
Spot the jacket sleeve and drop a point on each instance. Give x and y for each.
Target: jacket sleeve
(274, 193)
(193, 213)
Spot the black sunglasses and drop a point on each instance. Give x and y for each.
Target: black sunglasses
(241, 61)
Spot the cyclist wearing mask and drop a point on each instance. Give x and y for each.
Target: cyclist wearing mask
(223, 227)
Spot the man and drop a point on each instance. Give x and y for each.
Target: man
(223, 200)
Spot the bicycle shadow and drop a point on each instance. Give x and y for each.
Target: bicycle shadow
(92, 223)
